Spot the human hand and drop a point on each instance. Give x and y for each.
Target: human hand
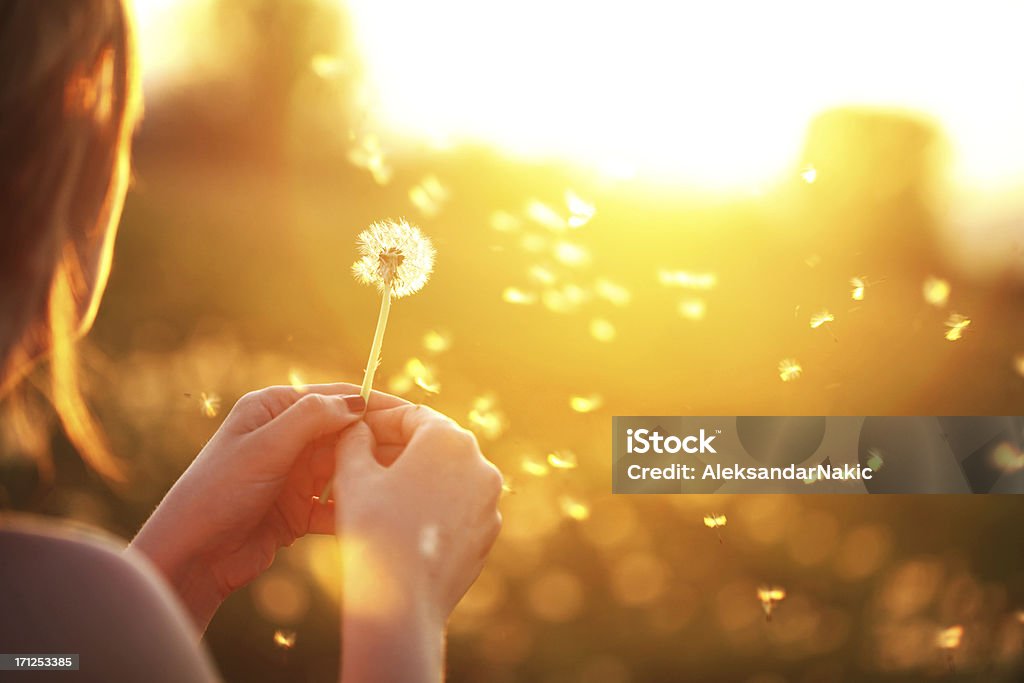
(251, 490)
(416, 516)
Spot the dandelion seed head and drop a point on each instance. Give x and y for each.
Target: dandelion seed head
(209, 404)
(858, 284)
(394, 253)
(789, 370)
(949, 638)
(957, 324)
(713, 521)
(284, 639)
(573, 508)
(822, 318)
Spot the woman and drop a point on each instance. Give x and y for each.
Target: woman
(416, 502)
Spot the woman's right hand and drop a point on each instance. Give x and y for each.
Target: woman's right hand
(416, 516)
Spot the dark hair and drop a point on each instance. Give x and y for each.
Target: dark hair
(69, 100)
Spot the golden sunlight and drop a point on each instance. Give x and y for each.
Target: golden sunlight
(707, 94)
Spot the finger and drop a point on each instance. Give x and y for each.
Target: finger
(308, 419)
(378, 399)
(321, 518)
(398, 425)
(355, 454)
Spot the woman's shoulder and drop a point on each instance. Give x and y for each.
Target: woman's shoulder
(72, 590)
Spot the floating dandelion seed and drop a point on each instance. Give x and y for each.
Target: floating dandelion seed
(296, 381)
(602, 330)
(770, 597)
(858, 284)
(534, 468)
(435, 341)
(563, 460)
(485, 417)
(687, 280)
(573, 508)
(209, 404)
(514, 295)
(585, 404)
(875, 460)
(326, 66)
(1008, 457)
(565, 299)
(948, 640)
(429, 196)
(957, 324)
(397, 258)
(611, 292)
(693, 309)
(936, 291)
(367, 154)
(284, 639)
(544, 215)
(542, 275)
(821, 318)
(809, 174)
(570, 254)
(716, 522)
(580, 210)
(789, 370)
(503, 221)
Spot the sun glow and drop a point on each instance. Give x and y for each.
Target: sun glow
(710, 94)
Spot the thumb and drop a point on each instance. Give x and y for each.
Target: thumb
(355, 453)
(309, 418)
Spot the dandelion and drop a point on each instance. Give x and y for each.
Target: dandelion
(687, 280)
(398, 259)
(563, 460)
(544, 215)
(858, 284)
(809, 174)
(295, 379)
(957, 324)
(514, 295)
(580, 210)
(693, 309)
(1008, 457)
(936, 291)
(611, 292)
(602, 330)
(585, 404)
(789, 370)
(716, 522)
(485, 417)
(503, 221)
(436, 341)
(572, 255)
(875, 460)
(284, 639)
(429, 196)
(326, 66)
(948, 640)
(770, 597)
(209, 404)
(573, 508)
(821, 318)
(534, 468)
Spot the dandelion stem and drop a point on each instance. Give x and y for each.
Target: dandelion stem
(371, 366)
(378, 342)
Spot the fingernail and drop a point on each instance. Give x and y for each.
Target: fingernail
(355, 404)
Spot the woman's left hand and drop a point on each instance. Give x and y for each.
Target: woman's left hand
(251, 490)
